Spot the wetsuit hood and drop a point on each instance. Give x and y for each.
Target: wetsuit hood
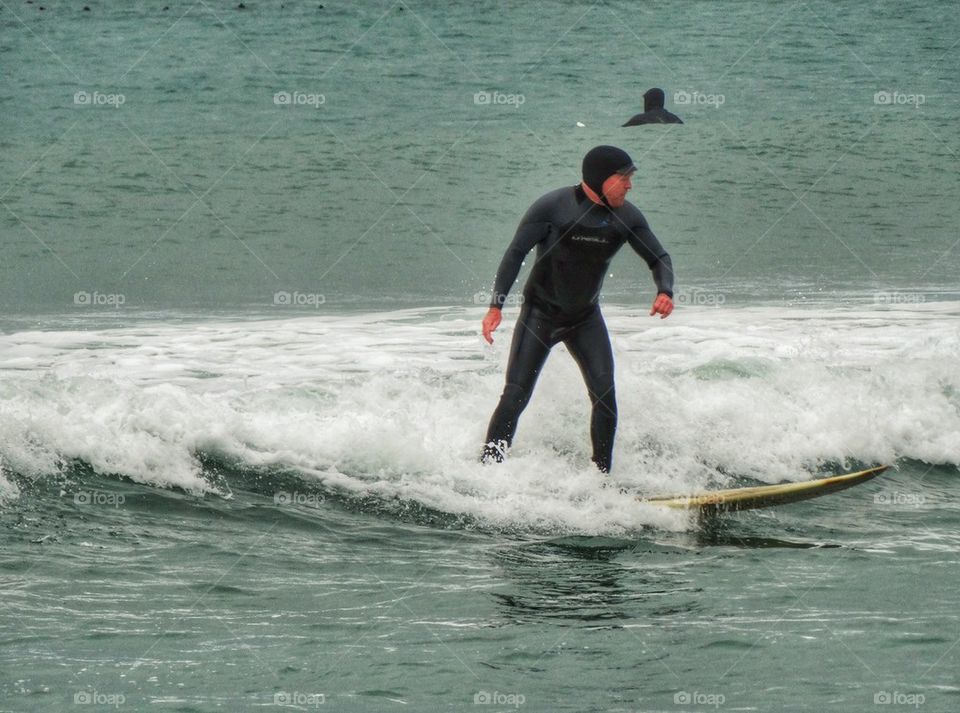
(601, 162)
(653, 99)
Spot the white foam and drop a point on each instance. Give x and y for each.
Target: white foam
(396, 404)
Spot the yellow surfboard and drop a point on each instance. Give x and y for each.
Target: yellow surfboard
(764, 496)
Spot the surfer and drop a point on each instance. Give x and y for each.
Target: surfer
(577, 230)
(653, 111)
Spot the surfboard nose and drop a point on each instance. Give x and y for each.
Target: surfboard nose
(763, 496)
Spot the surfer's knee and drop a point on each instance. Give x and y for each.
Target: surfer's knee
(603, 392)
(516, 395)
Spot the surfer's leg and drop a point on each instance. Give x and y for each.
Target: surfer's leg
(589, 344)
(528, 352)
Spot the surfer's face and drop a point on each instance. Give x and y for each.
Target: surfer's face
(615, 188)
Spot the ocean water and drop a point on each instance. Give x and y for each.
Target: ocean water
(243, 258)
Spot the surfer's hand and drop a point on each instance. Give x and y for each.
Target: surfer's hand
(490, 322)
(663, 306)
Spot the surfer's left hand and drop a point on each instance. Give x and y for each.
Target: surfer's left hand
(663, 306)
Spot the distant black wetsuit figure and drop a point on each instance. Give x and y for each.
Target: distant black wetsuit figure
(576, 238)
(653, 111)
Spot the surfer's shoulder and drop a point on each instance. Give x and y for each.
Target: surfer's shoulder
(549, 205)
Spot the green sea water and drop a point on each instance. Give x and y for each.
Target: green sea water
(181, 183)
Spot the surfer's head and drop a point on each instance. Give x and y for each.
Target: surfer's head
(653, 99)
(606, 173)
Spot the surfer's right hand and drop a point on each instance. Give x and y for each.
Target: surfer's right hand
(490, 322)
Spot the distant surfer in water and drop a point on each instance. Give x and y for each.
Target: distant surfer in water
(653, 111)
(577, 230)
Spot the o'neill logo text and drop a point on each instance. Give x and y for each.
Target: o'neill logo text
(589, 239)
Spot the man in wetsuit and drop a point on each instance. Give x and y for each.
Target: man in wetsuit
(653, 111)
(577, 230)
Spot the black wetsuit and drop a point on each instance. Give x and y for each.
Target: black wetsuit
(653, 111)
(575, 239)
